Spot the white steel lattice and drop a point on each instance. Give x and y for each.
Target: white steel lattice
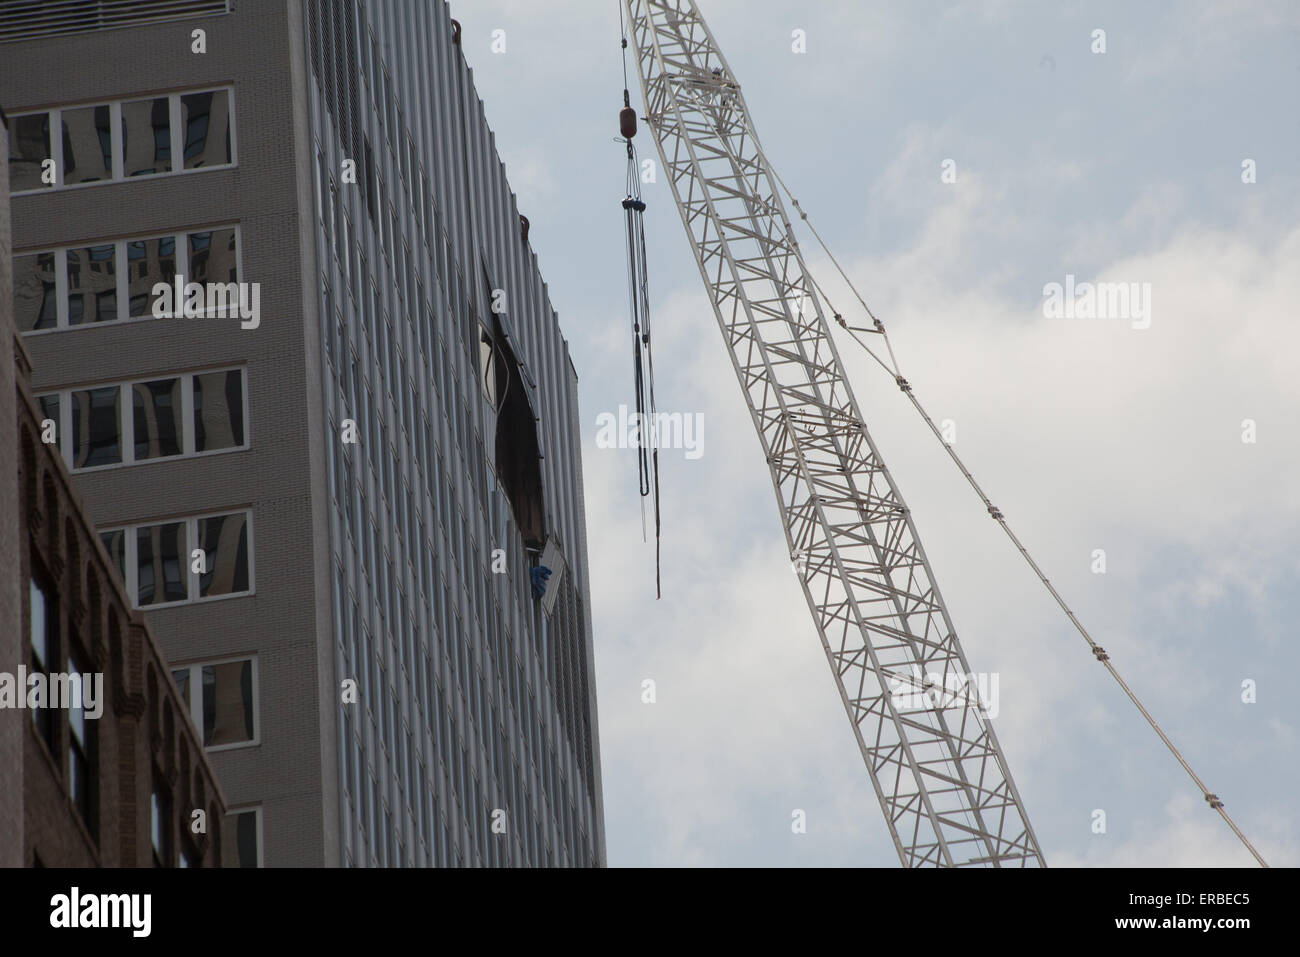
(934, 760)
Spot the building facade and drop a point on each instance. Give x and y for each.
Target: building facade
(119, 778)
(330, 501)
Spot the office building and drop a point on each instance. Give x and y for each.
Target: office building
(328, 501)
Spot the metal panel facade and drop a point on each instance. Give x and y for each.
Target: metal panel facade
(412, 256)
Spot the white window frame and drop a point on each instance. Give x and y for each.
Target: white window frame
(130, 558)
(115, 119)
(126, 422)
(120, 264)
(195, 668)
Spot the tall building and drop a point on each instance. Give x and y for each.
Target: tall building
(331, 502)
(115, 778)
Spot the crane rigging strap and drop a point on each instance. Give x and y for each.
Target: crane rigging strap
(892, 368)
(643, 370)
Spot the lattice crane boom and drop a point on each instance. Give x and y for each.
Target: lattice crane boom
(934, 760)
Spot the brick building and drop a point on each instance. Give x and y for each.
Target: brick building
(76, 791)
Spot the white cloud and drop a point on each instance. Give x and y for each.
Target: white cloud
(1087, 434)
(1187, 834)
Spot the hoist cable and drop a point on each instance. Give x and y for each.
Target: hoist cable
(647, 418)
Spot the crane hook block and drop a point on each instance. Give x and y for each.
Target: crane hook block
(627, 122)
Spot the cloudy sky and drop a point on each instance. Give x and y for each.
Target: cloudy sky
(1089, 434)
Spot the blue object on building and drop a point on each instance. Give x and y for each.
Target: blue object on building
(538, 577)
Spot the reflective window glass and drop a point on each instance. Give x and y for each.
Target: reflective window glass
(160, 563)
(224, 541)
(92, 284)
(228, 703)
(87, 145)
(242, 827)
(218, 410)
(115, 544)
(29, 148)
(96, 427)
(160, 828)
(147, 137)
(81, 747)
(157, 407)
(148, 261)
(44, 634)
(213, 256)
(205, 118)
(50, 410)
(36, 305)
(182, 678)
(40, 627)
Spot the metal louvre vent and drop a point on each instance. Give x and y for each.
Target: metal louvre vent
(32, 19)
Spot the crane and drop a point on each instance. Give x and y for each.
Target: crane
(935, 763)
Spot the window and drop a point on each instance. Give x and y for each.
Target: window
(173, 133)
(44, 637)
(160, 827)
(219, 410)
(82, 742)
(96, 427)
(205, 118)
(224, 542)
(160, 559)
(115, 545)
(147, 137)
(228, 708)
(157, 407)
(50, 408)
(213, 256)
(184, 560)
(148, 262)
(93, 283)
(182, 678)
(29, 148)
(87, 145)
(36, 304)
(222, 699)
(138, 422)
(243, 841)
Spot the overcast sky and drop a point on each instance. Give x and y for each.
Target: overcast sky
(1089, 434)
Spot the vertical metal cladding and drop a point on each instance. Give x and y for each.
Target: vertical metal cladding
(487, 752)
